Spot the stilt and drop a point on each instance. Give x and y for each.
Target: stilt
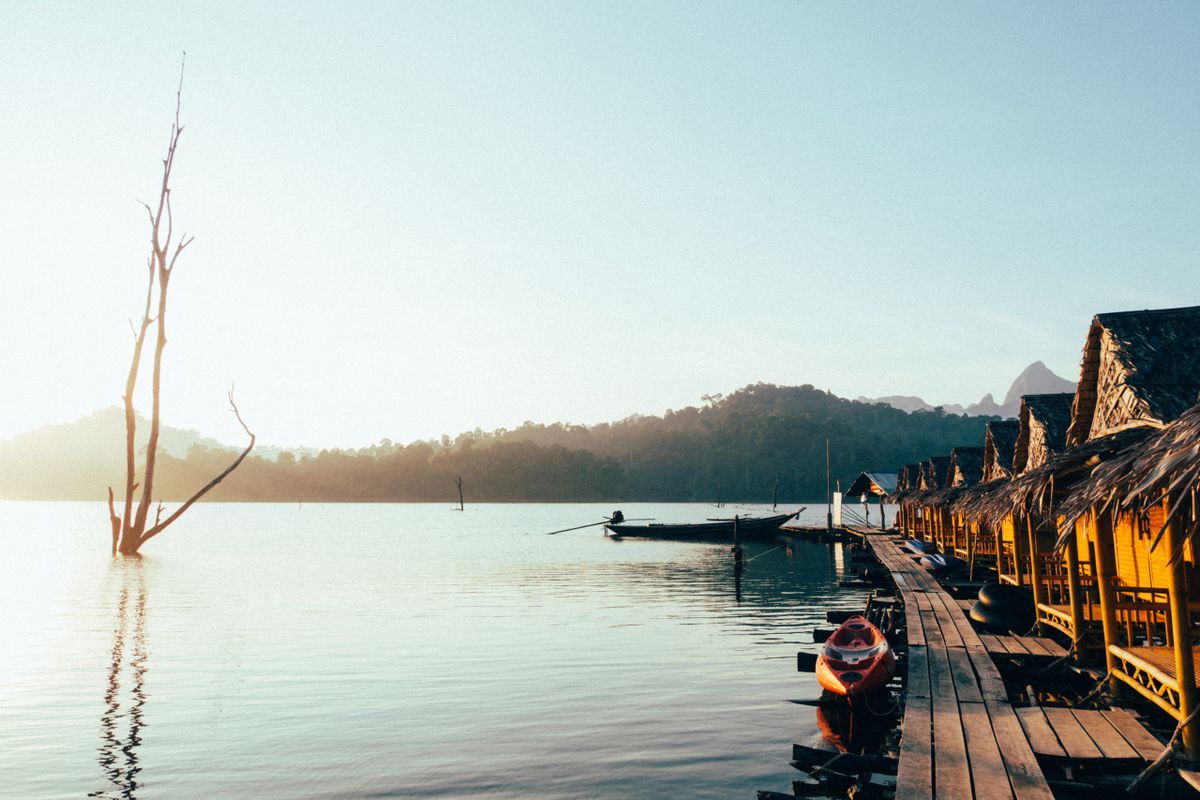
(1078, 623)
(1181, 634)
(1035, 563)
(1102, 524)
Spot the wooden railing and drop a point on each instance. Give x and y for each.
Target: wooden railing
(1141, 612)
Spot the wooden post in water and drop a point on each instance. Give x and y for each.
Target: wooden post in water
(737, 546)
(1102, 525)
(458, 482)
(1181, 635)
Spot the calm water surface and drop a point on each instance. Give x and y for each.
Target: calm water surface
(277, 651)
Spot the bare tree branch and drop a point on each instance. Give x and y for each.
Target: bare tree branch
(160, 527)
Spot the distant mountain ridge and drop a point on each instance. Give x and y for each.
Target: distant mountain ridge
(1037, 378)
(760, 442)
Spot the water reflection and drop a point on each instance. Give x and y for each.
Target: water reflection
(117, 755)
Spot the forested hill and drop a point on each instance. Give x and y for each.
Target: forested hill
(733, 448)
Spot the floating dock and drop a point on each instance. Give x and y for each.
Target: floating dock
(961, 736)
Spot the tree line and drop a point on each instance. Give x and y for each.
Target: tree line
(731, 448)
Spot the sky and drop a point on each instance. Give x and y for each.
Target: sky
(421, 218)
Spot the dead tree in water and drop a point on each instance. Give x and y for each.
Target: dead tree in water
(133, 528)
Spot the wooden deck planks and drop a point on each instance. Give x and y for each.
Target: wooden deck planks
(1052, 647)
(966, 684)
(914, 772)
(958, 727)
(918, 673)
(951, 771)
(989, 777)
(1144, 742)
(1111, 743)
(1039, 733)
(1026, 776)
(1070, 733)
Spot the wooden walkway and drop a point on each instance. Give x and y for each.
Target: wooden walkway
(961, 738)
(1080, 736)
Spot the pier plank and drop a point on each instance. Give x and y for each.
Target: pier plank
(1111, 743)
(960, 736)
(914, 772)
(952, 773)
(1026, 776)
(1052, 647)
(988, 773)
(1039, 733)
(1013, 645)
(1142, 740)
(966, 685)
(918, 672)
(1033, 646)
(1074, 738)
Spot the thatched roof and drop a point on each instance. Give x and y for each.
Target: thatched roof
(1139, 368)
(1042, 489)
(966, 466)
(1043, 421)
(1166, 462)
(949, 487)
(908, 482)
(937, 470)
(999, 448)
(876, 483)
(932, 479)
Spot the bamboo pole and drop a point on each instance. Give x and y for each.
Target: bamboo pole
(1078, 623)
(1102, 528)
(1035, 562)
(1018, 573)
(1185, 674)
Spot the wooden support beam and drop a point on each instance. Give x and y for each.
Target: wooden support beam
(1035, 560)
(1078, 620)
(1018, 572)
(1106, 577)
(1181, 617)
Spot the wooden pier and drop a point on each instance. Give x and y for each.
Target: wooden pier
(960, 737)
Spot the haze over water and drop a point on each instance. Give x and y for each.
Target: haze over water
(412, 651)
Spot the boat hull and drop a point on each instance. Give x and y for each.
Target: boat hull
(718, 531)
(856, 660)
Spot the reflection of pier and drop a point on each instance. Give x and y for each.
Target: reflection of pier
(117, 754)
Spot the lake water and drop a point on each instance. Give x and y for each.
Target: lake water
(278, 651)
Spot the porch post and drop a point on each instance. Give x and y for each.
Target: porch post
(1018, 574)
(1035, 563)
(1181, 633)
(1106, 577)
(1078, 623)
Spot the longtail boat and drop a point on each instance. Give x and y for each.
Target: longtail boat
(713, 530)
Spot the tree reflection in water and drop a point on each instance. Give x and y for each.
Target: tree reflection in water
(117, 754)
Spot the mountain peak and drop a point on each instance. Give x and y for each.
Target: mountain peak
(1037, 378)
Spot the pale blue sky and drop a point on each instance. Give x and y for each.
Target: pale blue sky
(418, 218)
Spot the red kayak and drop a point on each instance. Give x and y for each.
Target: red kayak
(856, 659)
